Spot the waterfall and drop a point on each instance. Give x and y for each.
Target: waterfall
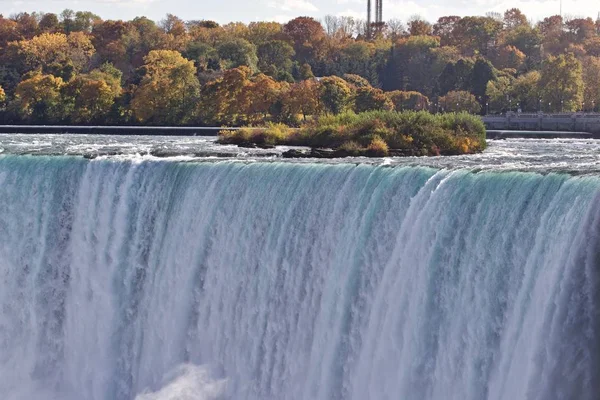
(136, 279)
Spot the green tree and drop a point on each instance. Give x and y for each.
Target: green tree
(238, 52)
(483, 72)
(526, 91)
(591, 79)
(458, 101)
(456, 76)
(168, 91)
(335, 94)
(561, 83)
(276, 53)
(498, 94)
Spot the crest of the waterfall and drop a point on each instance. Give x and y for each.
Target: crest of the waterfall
(124, 280)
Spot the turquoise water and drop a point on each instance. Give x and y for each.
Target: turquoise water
(148, 279)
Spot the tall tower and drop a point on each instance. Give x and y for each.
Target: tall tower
(376, 25)
(369, 22)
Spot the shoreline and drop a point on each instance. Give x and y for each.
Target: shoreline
(212, 131)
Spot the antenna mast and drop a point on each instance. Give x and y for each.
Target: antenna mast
(378, 24)
(369, 27)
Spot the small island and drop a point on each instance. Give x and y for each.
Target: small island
(370, 134)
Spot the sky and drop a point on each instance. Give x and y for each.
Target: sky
(224, 11)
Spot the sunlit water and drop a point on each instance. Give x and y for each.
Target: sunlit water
(198, 276)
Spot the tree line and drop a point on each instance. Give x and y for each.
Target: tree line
(77, 68)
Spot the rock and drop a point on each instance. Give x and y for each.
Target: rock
(247, 145)
(293, 153)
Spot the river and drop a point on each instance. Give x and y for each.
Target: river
(173, 268)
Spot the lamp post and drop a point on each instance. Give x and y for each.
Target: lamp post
(487, 107)
(562, 108)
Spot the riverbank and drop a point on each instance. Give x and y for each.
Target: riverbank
(115, 130)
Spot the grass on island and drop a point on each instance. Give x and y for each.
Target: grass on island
(375, 133)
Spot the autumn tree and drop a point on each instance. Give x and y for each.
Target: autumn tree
(580, 29)
(561, 83)
(417, 26)
(222, 100)
(307, 36)
(408, 101)
(56, 53)
(168, 90)
(444, 29)
(303, 98)
(262, 93)
(49, 23)
(514, 18)
(369, 98)
(38, 99)
(90, 97)
(474, 35)
(509, 57)
(591, 79)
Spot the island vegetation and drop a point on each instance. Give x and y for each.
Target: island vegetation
(372, 133)
(75, 68)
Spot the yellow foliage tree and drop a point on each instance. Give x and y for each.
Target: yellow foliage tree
(56, 52)
(404, 101)
(260, 96)
(91, 96)
(303, 98)
(168, 91)
(38, 98)
(222, 101)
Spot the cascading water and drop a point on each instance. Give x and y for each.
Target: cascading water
(164, 280)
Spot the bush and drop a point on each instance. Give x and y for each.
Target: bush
(272, 134)
(378, 147)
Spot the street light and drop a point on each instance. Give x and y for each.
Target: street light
(487, 108)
